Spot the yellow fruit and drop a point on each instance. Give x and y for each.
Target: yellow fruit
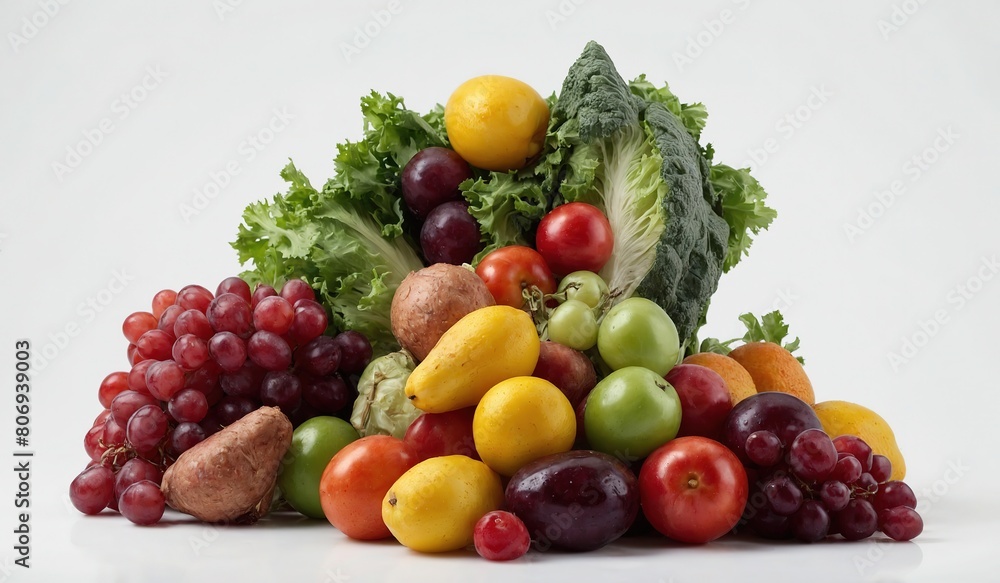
(434, 506)
(485, 347)
(844, 418)
(773, 368)
(496, 123)
(738, 380)
(520, 420)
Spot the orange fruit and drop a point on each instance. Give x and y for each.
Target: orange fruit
(737, 378)
(774, 369)
(496, 122)
(845, 418)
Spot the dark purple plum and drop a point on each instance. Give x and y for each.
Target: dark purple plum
(450, 234)
(431, 178)
(782, 414)
(575, 501)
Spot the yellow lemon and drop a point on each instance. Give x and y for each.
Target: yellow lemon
(496, 123)
(845, 418)
(434, 506)
(520, 420)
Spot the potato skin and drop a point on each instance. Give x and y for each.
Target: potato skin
(430, 300)
(230, 476)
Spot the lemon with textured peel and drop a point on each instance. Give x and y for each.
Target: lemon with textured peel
(496, 122)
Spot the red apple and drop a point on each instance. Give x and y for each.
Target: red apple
(693, 489)
(568, 369)
(437, 434)
(705, 400)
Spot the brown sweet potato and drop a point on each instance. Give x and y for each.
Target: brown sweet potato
(230, 476)
(430, 300)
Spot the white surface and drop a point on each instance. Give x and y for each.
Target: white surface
(888, 94)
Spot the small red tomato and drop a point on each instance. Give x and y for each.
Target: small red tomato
(509, 270)
(501, 536)
(575, 237)
(693, 489)
(438, 434)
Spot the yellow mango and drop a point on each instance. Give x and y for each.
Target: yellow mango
(846, 418)
(434, 506)
(488, 345)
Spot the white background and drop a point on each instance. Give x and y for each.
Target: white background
(894, 74)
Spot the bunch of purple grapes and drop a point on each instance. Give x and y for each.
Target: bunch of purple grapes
(201, 361)
(822, 486)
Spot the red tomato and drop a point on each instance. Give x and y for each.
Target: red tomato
(508, 270)
(356, 480)
(693, 489)
(575, 237)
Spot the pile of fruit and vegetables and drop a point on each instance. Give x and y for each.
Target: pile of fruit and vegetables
(483, 332)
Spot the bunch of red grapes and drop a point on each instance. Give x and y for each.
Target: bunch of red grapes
(200, 361)
(822, 486)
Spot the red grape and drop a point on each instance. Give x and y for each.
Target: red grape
(273, 314)
(834, 495)
(309, 321)
(102, 417)
(136, 324)
(185, 436)
(763, 448)
(164, 378)
(127, 403)
(866, 484)
(204, 379)
(155, 345)
(190, 352)
(881, 468)
(328, 395)
(92, 490)
(281, 389)
(501, 536)
(857, 520)
(900, 523)
(231, 409)
(112, 385)
(783, 496)
(137, 376)
(168, 318)
(114, 434)
(297, 289)
(142, 503)
(230, 313)
(847, 470)
(856, 447)
(188, 406)
(234, 285)
(320, 356)
(243, 383)
(193, 322)
(812, 455)
(260, 292)
(893, 494)
(355, 351)
(269, 351)
(811, 522)
(92, 441)
(194, 297)
(228, 351)
(146, 428)
(135, 470)
(163, 300)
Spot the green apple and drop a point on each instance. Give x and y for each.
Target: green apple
(631, 412)
(637, 332)
(314, 443)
